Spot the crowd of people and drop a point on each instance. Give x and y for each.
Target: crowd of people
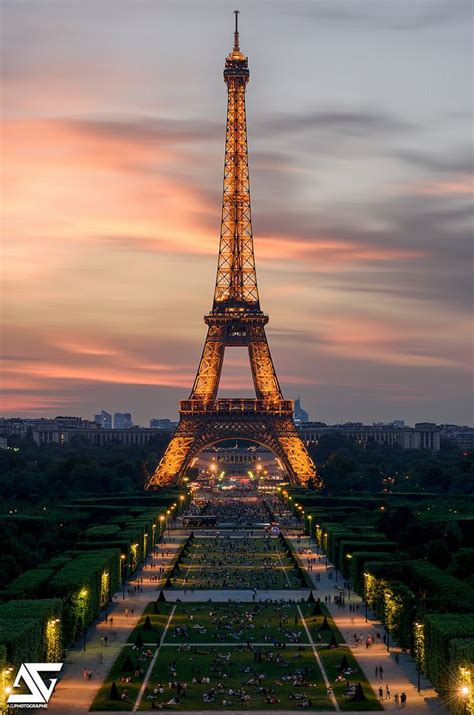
(233, 679)
(234, 562)
(241, 512)
(276, 623)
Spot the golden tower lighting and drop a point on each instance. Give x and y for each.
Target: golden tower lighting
(235, 320)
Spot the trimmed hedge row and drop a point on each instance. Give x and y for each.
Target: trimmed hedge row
(106, 531)
(439, 590)
(80, 584)
(22, 639)
(48, 611)
(32, 582)
(440, 629)
(347, 546)
(359, 564)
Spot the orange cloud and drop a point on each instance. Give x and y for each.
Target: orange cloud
(461, 187)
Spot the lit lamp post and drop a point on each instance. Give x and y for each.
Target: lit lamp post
(466, 689)
(181, 499)
(366, 576)
(122, 571)
(310, 519)
(418, 627)
(162, 527)
(349, 557)
(107, 599)
(84, 593)
(153, 534)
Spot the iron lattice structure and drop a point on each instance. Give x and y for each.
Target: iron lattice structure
(235, 320)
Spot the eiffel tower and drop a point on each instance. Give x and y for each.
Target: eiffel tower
(235, 320)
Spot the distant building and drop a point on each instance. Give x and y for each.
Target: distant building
(122, 420)
(424, 435)
(299, 414)
(462, 435)
(103, 420)
(160, 423)
(398, 423)
(99, 436)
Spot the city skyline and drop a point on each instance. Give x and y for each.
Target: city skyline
(361, 191)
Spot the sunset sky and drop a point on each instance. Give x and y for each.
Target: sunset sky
(360, 124)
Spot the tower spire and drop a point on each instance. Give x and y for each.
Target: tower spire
(236, 32)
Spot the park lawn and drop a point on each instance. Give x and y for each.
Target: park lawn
(207, 563)
(236, 623)
(315, 621)
(331, 660)
(158, 613)
(182, 666)
(102, 702)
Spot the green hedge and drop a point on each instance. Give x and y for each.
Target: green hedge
(107, 531)
(440, 629)
(56, 562)
(80, 584)
(347, 546)
(22, 640)
(32, 582)
(48, 614)
(358, 565)
(439, 590)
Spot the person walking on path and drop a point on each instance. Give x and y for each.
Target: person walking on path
(380, 693)
(403, 699)
(376, 672)
(381, 672)
(396, 700)
(387, 692)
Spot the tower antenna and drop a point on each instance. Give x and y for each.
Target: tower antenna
(236, 31)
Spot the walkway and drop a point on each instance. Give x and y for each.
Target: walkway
(401, 676)
(74, 693)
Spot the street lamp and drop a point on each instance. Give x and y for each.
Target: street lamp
(418, 626)
(366, 576)
(349, 557)
(466, 689)
(122, 569)
(84, 594)
(310, 519)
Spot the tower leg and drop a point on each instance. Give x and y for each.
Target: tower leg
(210, 368)
(261, 363)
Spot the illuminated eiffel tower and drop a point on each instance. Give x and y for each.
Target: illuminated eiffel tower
(235, 320)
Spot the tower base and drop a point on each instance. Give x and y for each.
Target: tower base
(203, 424)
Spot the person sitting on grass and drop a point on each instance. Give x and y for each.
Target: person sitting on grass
(125, 697)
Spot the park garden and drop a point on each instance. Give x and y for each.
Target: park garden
(411, 559)
(46, 609)
(237, 562)
(216, 656)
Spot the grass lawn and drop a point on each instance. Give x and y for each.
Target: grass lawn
(225, 562)
(289, 674)
(138, 661)
(152, 622)
(210, 640)
(320, 623)
(236, 623)
(331, 660)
